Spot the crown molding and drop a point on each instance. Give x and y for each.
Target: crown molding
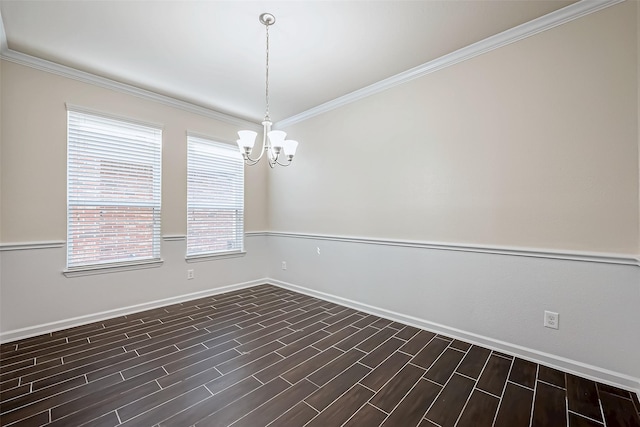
(84, 77)
(512, 35)
(3, 36)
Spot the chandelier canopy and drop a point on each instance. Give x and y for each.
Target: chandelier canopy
(273, 141)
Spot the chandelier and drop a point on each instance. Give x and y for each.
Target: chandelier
(273, 141)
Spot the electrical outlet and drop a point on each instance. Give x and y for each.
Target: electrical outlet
(190, 274)
(551, 320)
(284, 265)
(318, 249)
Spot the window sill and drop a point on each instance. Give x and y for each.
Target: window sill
(111, 268)
(213, 257)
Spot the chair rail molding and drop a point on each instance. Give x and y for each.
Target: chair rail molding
(606, 258)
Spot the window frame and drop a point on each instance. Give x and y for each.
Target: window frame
(216, 143)
(152, 161)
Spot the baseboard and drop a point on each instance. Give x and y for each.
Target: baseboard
(18, 334)
(571, 366)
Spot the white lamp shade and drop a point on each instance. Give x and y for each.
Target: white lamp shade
(247, 139)
(290, 146)
(277, 138)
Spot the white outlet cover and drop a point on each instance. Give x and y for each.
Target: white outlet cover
(551, 320)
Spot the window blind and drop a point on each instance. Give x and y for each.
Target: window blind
(113, 190)
(215, 197)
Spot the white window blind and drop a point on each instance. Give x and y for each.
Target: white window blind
(215, 198)
(113, 191)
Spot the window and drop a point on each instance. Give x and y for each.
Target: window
(215, 198)
(113, 191)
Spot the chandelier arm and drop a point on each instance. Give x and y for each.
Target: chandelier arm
(284, 164)
(250, 162)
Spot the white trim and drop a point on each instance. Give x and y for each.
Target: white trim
(111, 268)
(84, 77)
(606, 258)
(215, 256)
(18, 334)
(32, 245)
(571, 366)
(512, 35)
(256, 234)
(174, 237)
(3, 37)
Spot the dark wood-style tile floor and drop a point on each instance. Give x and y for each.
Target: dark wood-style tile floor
(269, 356)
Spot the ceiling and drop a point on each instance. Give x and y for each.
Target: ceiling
(212, 53)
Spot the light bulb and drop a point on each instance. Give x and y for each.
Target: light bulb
(290, 146)
(277, 140)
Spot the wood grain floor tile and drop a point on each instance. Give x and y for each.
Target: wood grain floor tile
(209, 406)
(579, 421)
(338, 385)
(407, 333)
(413, 407)
(450, 401)
(286, 364)
(368, 415)
(551, 376)
(330, 370)
(443, 368)
(619, 411)
(334, 337)
(523, 372)
(474, 361)
(150, 412)
(515, 407)
(394, 391)
(480, 410)
(239, 408)
(386, 370)
(582, 397)
(277, 406)
(494, 376)
(376, 339)
(415, 344)
(299, 415)
(342, 409)
(430, 353)
(377, 356)
(316, 362)
(269, 356)
(549, 406)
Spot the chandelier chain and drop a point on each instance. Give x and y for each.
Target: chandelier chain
(266, 115)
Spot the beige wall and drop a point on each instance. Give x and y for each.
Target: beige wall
(34, 153)
(1, 138)
(532, 145)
